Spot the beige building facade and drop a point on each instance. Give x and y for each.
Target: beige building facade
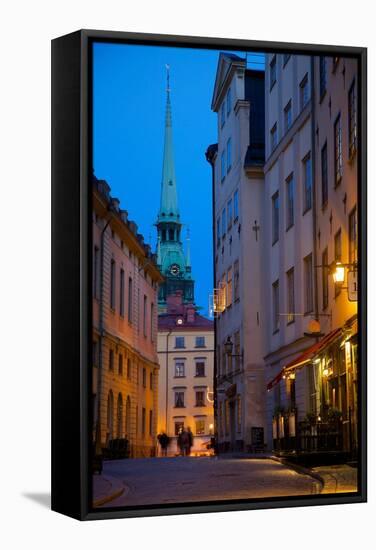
(289, 253)
(238, 182)
(186, 358)
(312, 399)
(124, 353)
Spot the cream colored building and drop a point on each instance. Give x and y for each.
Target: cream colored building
(289, 252)
(186, 356)
(124, 352)
(312, 397)
(238, 187)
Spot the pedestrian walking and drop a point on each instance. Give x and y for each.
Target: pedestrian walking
(185, 442)
(180, 442)
(164, 441)
(190, 440)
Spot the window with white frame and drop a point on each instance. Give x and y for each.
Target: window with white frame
(229, 287)
(307, 183)
(290, 192)
(200, 342)
(236, 205)
(179, 399)
(200, 426)
(179, 368)
(112, 283)
(179, 342)
(200, 368)
(229, 154)
(236, 280)
(273, 137)
(288, 116)
(223, 166)
(338, 160)
(200, 398)
(275, 217)
(229, 213)
(304, 92)
(223, 222)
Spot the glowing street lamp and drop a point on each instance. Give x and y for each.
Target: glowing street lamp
(338, 273)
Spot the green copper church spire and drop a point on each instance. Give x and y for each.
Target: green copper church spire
(169, 200)
(175, 266)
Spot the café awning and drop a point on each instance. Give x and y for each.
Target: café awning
(306, 356)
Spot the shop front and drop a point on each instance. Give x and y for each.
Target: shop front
(326, 376)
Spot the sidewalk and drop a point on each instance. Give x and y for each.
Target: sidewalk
(106, 489)
(338, 479)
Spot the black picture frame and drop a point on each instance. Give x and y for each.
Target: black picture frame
(71, 272)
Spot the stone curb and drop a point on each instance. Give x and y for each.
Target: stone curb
(112, 496)
(301, 470)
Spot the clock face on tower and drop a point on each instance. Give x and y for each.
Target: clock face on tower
(174, 269)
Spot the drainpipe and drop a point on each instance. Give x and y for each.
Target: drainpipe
(210, 155)
(98, 431)
(167, 337)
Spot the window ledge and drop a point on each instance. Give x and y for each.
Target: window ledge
(306, 210)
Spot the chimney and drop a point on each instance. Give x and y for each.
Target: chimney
(191, 310)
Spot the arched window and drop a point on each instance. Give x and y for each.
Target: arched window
(171, 234)
(128, 418)
(110, 415)
(119, 419)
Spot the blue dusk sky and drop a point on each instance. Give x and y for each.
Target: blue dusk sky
(129, 95)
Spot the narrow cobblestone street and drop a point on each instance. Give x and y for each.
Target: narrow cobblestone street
(186, 479)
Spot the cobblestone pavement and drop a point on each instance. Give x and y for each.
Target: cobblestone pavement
(187, 479)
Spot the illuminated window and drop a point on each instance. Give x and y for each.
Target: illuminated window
(200, 427)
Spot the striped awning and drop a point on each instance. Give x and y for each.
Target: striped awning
(306, 356)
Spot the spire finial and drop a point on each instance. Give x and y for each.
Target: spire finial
(168, 78)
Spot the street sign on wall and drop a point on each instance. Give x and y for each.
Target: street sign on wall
(352, 286)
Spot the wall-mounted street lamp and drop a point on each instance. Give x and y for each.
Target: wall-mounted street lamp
(229, 347)
(338, 270)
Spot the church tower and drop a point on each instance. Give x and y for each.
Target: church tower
(172, 261)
